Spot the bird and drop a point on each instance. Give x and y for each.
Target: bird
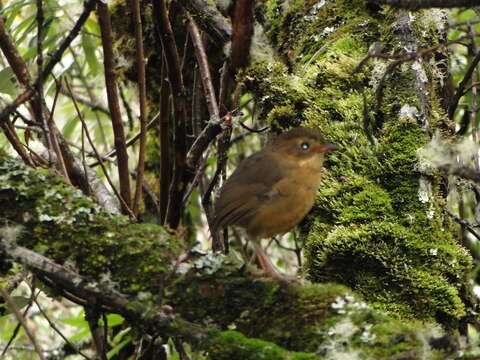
(272, 190)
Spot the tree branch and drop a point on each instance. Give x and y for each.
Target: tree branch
(425, 4)
(177, 186)
(142, 94)
(210, 20)
(114, 106)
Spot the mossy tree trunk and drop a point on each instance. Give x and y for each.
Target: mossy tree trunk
(378, 224)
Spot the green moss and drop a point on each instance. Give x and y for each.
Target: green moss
(371, 202)
(66, 226)
(323, 319)
(377, 225)
(392, 267)
(288, 315)
(232, 345)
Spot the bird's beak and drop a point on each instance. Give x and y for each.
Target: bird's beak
(325, 147)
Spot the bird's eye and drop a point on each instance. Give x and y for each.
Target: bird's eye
(305, 145)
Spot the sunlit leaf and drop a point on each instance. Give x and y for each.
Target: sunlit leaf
(70, 126)
(82, 334)
(113, 320)
(90, 55)
(116, 349)
(120, 335)
(12, 11)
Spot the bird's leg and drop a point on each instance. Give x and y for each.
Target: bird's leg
(265, 262)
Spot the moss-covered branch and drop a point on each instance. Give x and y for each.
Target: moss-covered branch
(209, 295)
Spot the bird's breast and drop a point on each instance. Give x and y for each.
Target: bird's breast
(295, 197)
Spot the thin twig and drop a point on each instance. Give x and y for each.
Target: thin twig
(470, 229)
(39, 84)
(11, 304)
(142, 94)
(182, 354)
(91, 95)
(461, 86)
(474, 99)
(252, 130)
(148, 192)
(57, 330)
(204, 68)
(461, 211)
(126, 106)
(87, 133)
(18, 326)
(196, 103)
(12, 137)
(203, 140)
(470, 87)
(52, 134)
(200, 172)
(91, 104)
(92, 316)
(112, 95)
(129, 142)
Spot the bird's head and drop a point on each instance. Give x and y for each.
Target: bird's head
(302, 144)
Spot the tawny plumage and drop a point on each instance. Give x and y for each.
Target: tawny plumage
(272, 190)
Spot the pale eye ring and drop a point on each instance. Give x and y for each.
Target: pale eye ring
(305, 146)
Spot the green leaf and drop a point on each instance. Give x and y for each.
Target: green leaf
(113, 320)
(21, 301)
(120, 335)
(90, 55)
(82, 334)
(6, 84)
(12, 11)
(119, 347)
(70, 126)
(77, 321)
(92, 27)
(23, 29)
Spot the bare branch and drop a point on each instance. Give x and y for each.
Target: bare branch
(12, 137)
(11, 304)
(142, 94)
(202, 60)
(112, 94)
(86, 292)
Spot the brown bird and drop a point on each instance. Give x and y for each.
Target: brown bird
(272, 190)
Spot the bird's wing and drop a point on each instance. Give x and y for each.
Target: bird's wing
(247, 189)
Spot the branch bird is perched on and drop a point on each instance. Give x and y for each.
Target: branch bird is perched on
(272, 190)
